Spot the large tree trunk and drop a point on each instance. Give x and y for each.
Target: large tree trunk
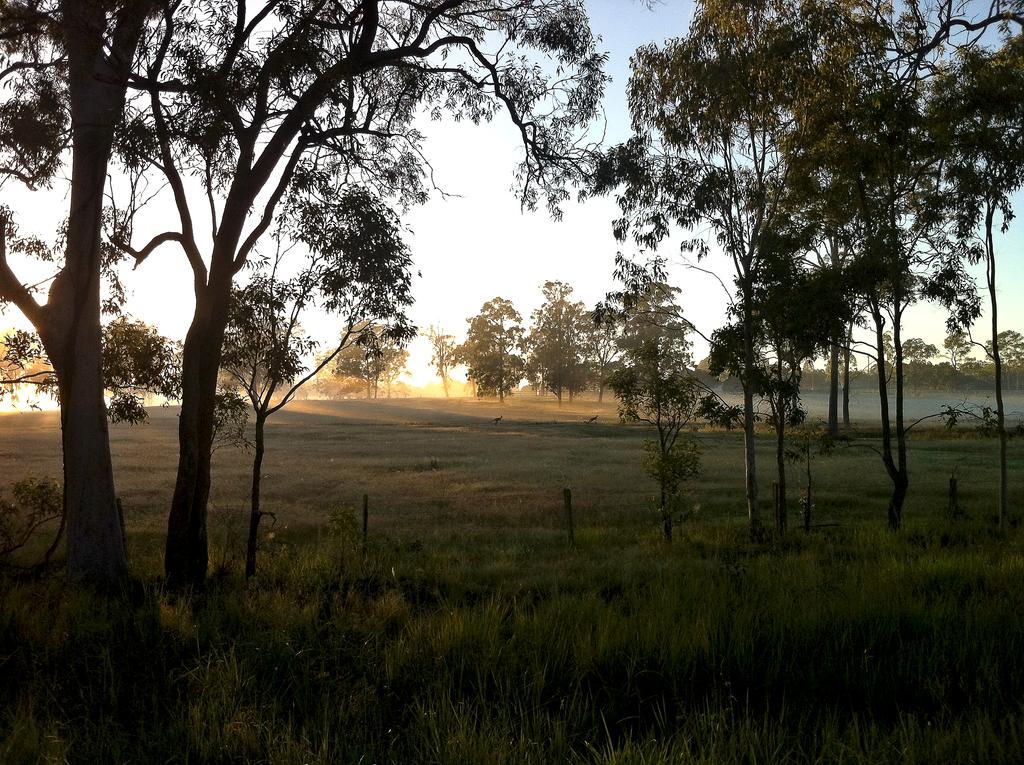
(833, 391)
(186, 554)
(255, 514)
(69, 325)
(95, 545)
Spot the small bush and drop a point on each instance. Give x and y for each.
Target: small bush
(35, 502)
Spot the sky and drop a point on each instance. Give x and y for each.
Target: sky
(477, 243)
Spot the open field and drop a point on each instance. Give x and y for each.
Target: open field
(470, 632)
(438, 469)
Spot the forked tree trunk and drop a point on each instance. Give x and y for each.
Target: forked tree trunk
(896, 475)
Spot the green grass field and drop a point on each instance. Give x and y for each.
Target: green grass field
(470, 632)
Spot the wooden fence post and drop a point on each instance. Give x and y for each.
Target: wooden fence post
(567, 496)
(954, 499)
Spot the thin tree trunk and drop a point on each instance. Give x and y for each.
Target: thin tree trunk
(809, 501)
(833, 391)
(749, 445)
(990, 262)
(255, 514)
(903, 478)
(781, 521)
(666, 517)
(846, 377)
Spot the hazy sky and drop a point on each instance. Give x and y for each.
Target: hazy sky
(479, 244)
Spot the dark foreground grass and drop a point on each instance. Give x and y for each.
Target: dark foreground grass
(851, 645)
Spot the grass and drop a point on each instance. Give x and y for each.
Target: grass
(469, 632)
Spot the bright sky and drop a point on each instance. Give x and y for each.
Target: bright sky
(480, 244)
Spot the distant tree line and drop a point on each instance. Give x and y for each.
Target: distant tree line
(565, 350)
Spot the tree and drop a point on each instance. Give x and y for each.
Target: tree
(357, 270)
(354, 369)
(958, 346)
(391, 361)
(979, 105)
(67, 63)
(443, 355)
(917, 351)
(283, 104)
(1011, 349)
(24, 363)
(367, 364)
(655, 386)
(138, 362)
(721, 165)
(871, 128)
(602, 337)
(492, 350)
(800, 314)
(558, 341)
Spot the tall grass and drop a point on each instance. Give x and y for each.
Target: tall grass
(852, 646)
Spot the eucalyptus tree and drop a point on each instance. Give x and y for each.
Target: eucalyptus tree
(558, 341)
(493, 349)
(869, 125)
(443, 355)
(958, 347)
(712, 121)
(655, 386)
(356, 269)
(65, 66)
(379, 358)
(245, 105)
(603, 334)
(979, 104)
